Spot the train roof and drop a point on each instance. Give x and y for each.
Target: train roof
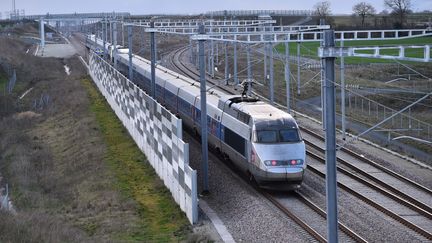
(262, 113)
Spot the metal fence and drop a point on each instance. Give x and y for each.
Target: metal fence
(368, 111)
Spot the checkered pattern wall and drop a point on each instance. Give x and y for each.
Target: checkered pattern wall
(156, 131)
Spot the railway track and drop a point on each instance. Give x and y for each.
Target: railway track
(412, 200)
(302, 206)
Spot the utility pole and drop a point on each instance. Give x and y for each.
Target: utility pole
(42, 33)
(271, 74)
(115, 43)
(298, 68)
(153, 60)
(342, 88)
(249, 70)
(203, 98)
(130, 52)
(287, 75)
(330, 140)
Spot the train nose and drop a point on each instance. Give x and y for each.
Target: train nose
(284, 174)
(294, 174)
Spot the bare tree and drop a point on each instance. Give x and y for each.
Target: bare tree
(400, 8)
(322, 9)
(363, 10)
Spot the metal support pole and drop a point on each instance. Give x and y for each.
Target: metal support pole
(265, 62)
(287, 76)
(208, 59)
(249, 69)
(197, 55)
(217, 53)
(342, 67)
(114, 52)
(235, 65)
(191, 52)
(42, 33)
(298, 68)
(153, 62)
(104, 37)
(330, 141)
(123, 38)
(212, 65)
(203, 90)
(130, 52)
(271, 74)
(226, 63)
(110, 32)
(156, 48)
(323, 107)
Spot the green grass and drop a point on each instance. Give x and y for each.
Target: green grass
(310, 49)
(160, 218)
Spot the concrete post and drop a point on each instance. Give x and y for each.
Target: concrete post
(153, 62)
(42, 33)
(130, 42)
(203, 98)
(331, 181)
(271, 74)
(342, 67)
(287, 76)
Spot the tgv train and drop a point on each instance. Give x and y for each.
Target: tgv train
(258, 138)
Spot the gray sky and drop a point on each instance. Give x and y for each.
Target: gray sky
(184, 6)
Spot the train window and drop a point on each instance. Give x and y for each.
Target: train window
(277, 136)
(267, 136)
(235, 141)
(289, 136)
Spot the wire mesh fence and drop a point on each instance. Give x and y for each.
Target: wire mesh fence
(370, 112)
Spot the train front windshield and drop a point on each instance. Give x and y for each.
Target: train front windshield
(277, 136)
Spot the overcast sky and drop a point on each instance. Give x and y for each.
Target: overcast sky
(185, 6)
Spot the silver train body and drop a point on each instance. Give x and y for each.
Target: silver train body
(258, 138)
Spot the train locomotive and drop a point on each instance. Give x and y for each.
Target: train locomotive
(258, 138)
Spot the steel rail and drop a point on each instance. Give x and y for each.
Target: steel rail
(381, 208)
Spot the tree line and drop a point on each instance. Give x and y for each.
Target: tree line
(398, 10)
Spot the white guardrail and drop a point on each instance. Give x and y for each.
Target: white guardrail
(156, 131)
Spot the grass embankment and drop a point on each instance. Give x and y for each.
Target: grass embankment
(160, 218)
(310, 49)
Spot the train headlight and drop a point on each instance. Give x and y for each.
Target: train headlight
(273, 162)
(291, 162)
(296, 162)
